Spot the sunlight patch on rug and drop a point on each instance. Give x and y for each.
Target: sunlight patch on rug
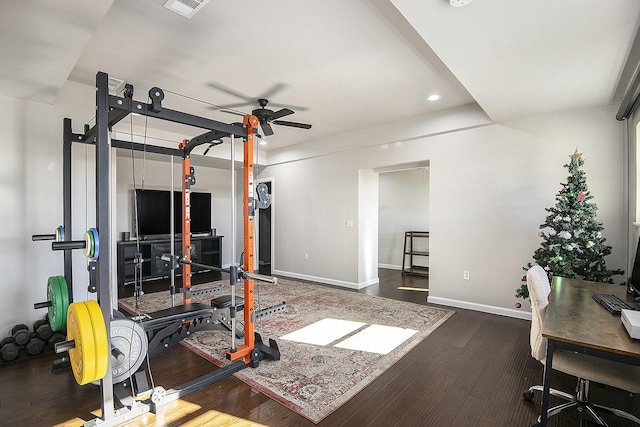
(377, 339)
(323, 332)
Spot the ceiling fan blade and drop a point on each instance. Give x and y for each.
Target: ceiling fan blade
(292, 124)
(266, 128)
(273, 90)
(248, 100)
(280, 113)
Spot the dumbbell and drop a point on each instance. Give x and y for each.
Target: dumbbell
(9, 350)
(56, 338)
(20, 334)
(42, 329)
(35, 346)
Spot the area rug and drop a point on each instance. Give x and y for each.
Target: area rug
(312, 380)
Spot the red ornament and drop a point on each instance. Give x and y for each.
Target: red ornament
(518, 305)
(524, 278)
(563, 190)
(581, 196)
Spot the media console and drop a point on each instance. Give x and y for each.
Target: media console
(206, 250)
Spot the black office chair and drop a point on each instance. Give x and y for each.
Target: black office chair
(585, 368)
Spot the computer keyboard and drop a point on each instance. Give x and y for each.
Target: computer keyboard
(612, 303)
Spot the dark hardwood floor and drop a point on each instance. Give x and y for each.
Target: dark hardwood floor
(471, 371)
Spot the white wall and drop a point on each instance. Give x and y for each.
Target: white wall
(403, 206)
(489, 186)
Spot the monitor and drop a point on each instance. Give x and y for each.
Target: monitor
(633, 285)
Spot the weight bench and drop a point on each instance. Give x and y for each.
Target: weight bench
(167, 327)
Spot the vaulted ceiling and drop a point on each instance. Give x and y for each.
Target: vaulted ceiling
(340, 65)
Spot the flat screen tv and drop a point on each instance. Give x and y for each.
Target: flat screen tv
(153, 212)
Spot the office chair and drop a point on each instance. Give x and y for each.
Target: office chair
(585, 368)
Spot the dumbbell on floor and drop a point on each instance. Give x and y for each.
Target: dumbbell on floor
(9, 350)
(35, 345)
(20, 334)
(42, 329)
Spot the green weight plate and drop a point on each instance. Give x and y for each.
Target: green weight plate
(64, 293)
(57, 317)
(96, 244)
(60, 234)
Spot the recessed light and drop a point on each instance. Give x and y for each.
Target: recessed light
(459, 3)
(434, 97)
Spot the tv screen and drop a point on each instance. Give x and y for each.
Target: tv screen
(153, 212)
(200, 212)
(154, 207)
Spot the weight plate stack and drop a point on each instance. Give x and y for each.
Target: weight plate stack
(80, 331)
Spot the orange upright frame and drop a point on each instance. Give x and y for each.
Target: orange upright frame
(251, 122)
(186, 222)
(244, 351)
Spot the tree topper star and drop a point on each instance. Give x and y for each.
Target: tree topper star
(575, 156)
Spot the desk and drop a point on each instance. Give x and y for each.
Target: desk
(575, 321)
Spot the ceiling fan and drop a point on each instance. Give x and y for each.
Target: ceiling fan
(268, 117)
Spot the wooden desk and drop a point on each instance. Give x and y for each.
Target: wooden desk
(575, 321)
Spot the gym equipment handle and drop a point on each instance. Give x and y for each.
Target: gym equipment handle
(45, 304)
(37, 237)
(73, 244)
(61, 347)
(261, 277)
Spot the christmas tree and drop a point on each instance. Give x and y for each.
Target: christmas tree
(572, 242)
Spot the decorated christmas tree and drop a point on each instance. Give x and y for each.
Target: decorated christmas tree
(572, 241)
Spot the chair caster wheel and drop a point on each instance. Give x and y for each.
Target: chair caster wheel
(528, 395)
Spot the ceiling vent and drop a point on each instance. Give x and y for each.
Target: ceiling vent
(116, 86)
(186, 8)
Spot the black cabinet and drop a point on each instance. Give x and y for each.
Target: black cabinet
(206, 250)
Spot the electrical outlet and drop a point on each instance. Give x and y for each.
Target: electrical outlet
(465, 274)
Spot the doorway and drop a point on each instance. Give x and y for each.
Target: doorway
(264, 235)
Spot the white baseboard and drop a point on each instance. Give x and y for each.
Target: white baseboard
(341, 283)
(390, 266)
(518, 314)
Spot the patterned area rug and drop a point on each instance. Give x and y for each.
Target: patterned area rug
(311, 380)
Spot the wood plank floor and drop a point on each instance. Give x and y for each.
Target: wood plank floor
(470, 372)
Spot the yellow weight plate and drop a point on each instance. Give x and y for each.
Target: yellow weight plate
(100, 339)
(80, 330)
